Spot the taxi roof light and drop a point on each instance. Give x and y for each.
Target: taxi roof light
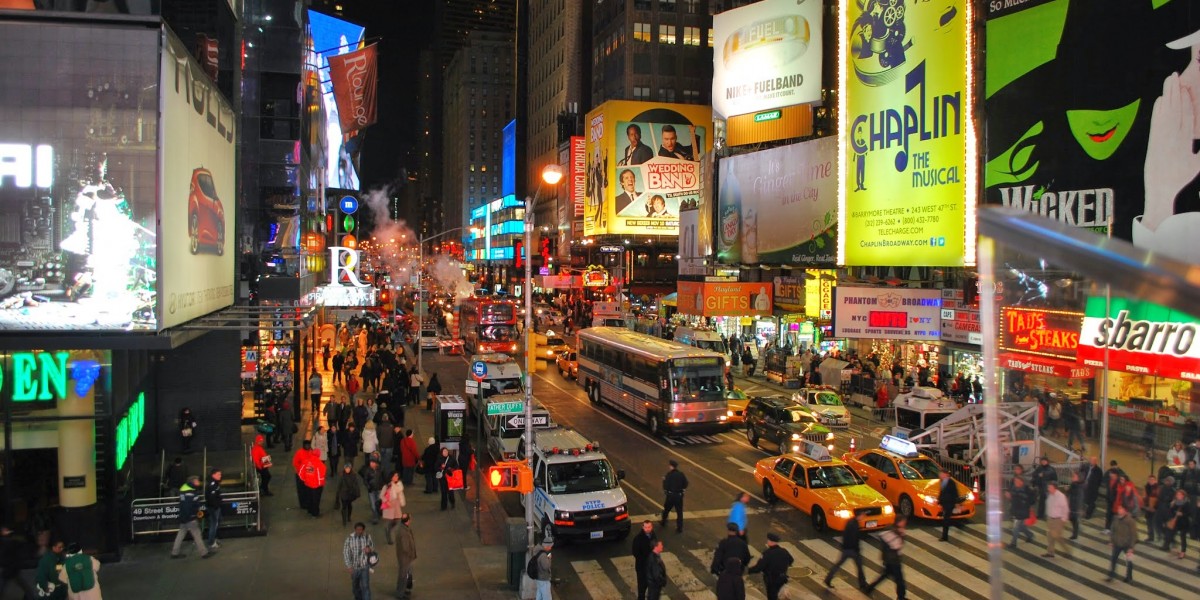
(817, 452)
(899, 446)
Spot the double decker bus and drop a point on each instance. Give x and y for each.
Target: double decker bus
(488, 325)
(668, 386)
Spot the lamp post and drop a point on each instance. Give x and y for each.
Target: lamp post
(551, 174)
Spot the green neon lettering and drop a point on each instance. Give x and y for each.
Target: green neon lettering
(54, 373)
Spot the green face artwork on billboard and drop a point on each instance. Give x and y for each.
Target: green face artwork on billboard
(1093, 115)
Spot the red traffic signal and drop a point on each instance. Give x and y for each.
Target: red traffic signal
(510, 476)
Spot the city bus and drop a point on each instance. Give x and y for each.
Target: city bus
(488, 325)
(668, 386)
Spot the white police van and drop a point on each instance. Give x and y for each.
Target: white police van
(577, 493)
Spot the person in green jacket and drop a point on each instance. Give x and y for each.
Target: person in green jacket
(1124, 538)
(46, 577)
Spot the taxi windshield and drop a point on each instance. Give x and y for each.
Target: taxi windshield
(827, 399)
(581, 477)
(832, 476)
(922, 468)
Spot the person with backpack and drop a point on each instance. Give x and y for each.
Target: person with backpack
(538, 568)
(189, 521)
(79, 575)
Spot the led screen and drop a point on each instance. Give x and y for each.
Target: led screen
(331, 37)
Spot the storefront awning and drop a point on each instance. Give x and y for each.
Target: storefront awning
(670, 299)
(1031, 363)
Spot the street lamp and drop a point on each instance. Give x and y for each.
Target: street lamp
(551, 175)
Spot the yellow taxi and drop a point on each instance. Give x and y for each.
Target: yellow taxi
(908, 479)
(824, 487)
(737, 401)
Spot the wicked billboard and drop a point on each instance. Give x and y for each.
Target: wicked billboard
(644, 165)
(1091, 132)
(78, 177)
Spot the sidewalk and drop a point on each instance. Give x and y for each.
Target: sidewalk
(301, 556)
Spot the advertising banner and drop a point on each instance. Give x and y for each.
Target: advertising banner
(960, 322)
(724, 299)
(779, 206)
(199, 147)
(1086, 132)
(78, 177)
(508, 160)
(691, 261)
(884, 313)
(1043, 365)
(578, 163)
(644, 165)
(790, 293)
(355, 77)
(766, 55)
(1044, 332)
(907, 163)
(330, 37)
(1140, 337)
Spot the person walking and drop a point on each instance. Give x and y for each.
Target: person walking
(320, 443)
(80, 575)
(339, 360)
(1178, 520)
(212, 506)
(446, 465)
(370, 439)
(1123, 538)
(851, 550)
(947, 498)
(773, 564)
(730, 584)
(187, 429)
(1058, 512)
(287, 425)
(643, 546)
(733, 546)
(189, 524)
(312, 477)
(674, 484)
(406, 553)
(1092, 477)
(333, 449)
(737, 515)
(432, 391)
(45, 578)
(262, 464)
(1162, 508)
(298, 460)
(355, 554)
(656, 572)
(1043, 475)
(429, 459)
(316, 385)
(1075, 501)
(409, 457)
(392, 503)
(1113, 486)
(1021, 507)
(10, 564)
(372, 476)
(347, 493)
(893, 546)
(388, 440)
(349, 439)
(541, 557)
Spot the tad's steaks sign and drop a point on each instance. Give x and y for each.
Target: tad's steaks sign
(1053, 333)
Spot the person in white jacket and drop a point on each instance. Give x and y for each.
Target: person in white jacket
(1058, 514)
(392, 503)
(1177, 455)
(370, 439)
(320, 443)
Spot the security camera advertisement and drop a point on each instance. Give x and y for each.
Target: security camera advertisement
(78, 177)
(1092, 133)
(198, 153)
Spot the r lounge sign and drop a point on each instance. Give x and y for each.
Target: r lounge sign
(1140, 337)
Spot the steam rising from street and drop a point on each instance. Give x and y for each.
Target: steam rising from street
(400, 260)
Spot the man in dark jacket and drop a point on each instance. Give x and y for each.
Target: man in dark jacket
(429, 458)
(212, 506)
(656, 572)
(643, 546)
(1021, 502)
(372, 476)
(189, 505)
(338, 361)
(733, 546)
(1092, 478)
(1042, 475)
(674, 484)
(851, 536)
(773, 564)
(1076, 495)
(948, 500)
(1157, 523)
(10, 564)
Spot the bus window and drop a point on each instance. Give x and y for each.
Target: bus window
(702, 382)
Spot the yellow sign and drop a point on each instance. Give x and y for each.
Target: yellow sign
(907, 160)
(644, 165)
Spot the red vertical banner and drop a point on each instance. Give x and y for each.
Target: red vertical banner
(355, 80)
(578, 174)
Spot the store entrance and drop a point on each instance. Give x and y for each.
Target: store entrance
(30, 492)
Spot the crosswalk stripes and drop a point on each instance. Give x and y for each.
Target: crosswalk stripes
(691, 440)
(934, 570)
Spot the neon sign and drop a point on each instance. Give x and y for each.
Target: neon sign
(1053, 333)
(129, 428)
(343, 266)
(38, 376)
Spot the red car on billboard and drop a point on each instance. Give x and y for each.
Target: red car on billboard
(206, 215)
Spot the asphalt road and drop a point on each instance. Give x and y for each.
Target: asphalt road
(719, 466)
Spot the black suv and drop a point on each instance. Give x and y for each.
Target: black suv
(783, 424)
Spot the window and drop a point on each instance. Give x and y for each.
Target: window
(666, 94)
(666, 5)
(641, 92)
(642, 259)
(691, 36)
(666, 259)
(690, 6)
(691, 96)
(666, 34)
(641, 64)
(710, 38)
(641, 32)
(784, 468)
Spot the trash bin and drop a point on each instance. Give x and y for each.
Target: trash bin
(517, 548)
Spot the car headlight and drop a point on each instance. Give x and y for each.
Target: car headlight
(844, 513)
(887, 510)
(729, 413)
(795, 436)
(562, 515)
(970, 496)
(620, 509)
(829, 436)
(930, 499)
(723, 417)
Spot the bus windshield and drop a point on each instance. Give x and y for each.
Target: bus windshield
(581, 477)
(714, 345)
(497, 333)
(501, 312)
(702, 382)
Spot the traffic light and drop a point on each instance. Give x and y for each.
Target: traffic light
(518, 254)
(510, 476)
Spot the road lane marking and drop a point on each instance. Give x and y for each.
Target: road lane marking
(627, 569)
(682, 577)
(626, 484)
(595, 581)
(747, 467)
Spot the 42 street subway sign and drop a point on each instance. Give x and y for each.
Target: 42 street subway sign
(1140, 337)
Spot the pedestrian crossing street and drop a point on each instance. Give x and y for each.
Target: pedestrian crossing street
(933, 570)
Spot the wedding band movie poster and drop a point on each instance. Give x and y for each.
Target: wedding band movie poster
(1094, 133)
(644, 166)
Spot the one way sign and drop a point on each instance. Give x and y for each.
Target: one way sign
(519, 421)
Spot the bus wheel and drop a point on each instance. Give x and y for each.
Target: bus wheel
(594, 394)
(653, 423)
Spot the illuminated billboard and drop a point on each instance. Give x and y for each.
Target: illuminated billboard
(508, 160)
(79, 177)
(905, 118)
(199, 145)
(886, 313)
(644, 164)
(766, 55)
(330, 37)
(779, 206)
(1095, 134)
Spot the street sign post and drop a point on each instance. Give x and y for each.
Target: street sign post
(519, 421)
(504, 408)
(479, 371)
